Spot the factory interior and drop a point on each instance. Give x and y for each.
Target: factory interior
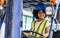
(16, 17)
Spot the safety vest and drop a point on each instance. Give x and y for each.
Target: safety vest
(39, 29)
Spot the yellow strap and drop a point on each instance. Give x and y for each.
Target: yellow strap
(40, 28)
(33, 25)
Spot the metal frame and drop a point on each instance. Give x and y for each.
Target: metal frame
(17, 17)
(53, 17)
(8, 19)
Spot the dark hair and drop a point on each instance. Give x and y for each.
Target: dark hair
(35, 13)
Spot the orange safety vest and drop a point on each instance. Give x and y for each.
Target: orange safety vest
(40, 28)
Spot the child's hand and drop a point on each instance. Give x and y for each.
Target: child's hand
(26, 34)
(44, 36)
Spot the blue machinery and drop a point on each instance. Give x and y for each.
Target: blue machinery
(53, 17)
(16, 19)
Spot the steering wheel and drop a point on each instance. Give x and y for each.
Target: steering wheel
(27, 31)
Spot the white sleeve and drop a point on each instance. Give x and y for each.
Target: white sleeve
(47, 24)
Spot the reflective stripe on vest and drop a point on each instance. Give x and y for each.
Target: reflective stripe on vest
(40, 28)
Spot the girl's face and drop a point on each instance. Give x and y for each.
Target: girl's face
(41, 14)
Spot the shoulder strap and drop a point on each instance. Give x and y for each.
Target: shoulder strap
(44, 26)
(33, 26)
(39, 26)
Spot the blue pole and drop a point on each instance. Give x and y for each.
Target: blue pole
(17, 16)
(52, 20)
(8, 20)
